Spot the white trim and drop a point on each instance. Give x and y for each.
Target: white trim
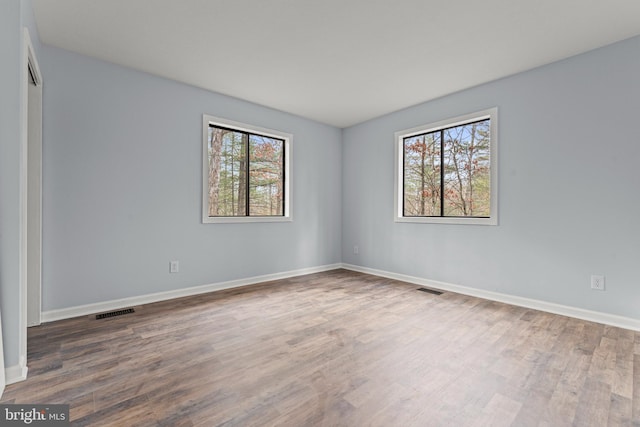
(398, 215)
(83, 310)
(288, 140)
(28, 58)
(564, 310)
(16, 373)
(34, 194)
(3, 375)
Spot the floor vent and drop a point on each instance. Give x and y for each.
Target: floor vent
(430, 291)
(114, 313)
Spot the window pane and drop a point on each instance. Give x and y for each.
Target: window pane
(246, 173)
(227, 172)
(422, 175)
(266, 176)
(467, 170)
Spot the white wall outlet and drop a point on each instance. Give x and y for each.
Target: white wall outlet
(597, 282)
(174, 266)
(356, 250)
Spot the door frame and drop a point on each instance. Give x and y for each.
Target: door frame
(30, 69)
(34, 191)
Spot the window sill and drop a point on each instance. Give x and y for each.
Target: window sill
(449, 220)
(245, 219)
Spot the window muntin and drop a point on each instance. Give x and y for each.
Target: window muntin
(447, 171)
(245, 173)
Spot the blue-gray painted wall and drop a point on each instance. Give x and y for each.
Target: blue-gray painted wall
(569, 192)
(123, 187)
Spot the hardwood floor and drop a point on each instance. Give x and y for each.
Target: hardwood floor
(334, 349)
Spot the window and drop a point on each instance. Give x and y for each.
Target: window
(245, 172)
(446, 172)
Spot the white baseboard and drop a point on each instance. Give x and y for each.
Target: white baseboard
(564, 310)
(15, 373)
(83, 310)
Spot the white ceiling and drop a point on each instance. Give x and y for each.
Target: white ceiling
(339, 62)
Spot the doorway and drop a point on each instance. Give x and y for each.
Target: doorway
(34, 193)
(30, 203)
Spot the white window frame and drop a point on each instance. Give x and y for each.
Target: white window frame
(492, 115)
(208, 120)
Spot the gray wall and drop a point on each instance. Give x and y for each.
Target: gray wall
(569, 188)
(14, 15)
(123, 182)
(122, 186)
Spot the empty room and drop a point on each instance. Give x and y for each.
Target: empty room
(319, 213)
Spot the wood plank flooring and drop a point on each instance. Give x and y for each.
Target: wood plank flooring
(334, 349)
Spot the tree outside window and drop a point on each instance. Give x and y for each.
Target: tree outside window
(448, 171)
(245, 173)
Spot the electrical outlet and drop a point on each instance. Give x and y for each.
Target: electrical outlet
(356, 250)
(174, 266)
(597, 282)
